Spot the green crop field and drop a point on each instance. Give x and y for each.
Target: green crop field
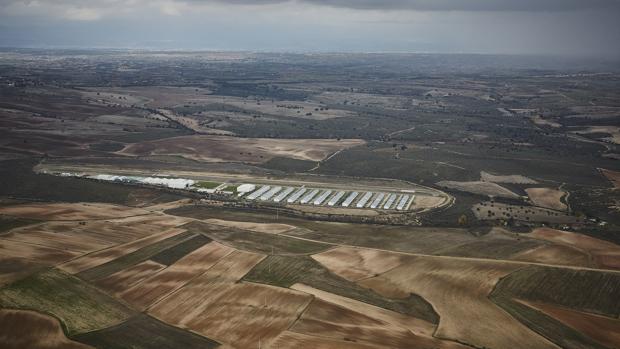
(79, 306)
(145, 332)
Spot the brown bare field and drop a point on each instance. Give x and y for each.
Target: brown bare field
(42, 236)
(293, 340)
(12, 268)
(21, 329)
(458, 290)
(348, 318)
(514, 179)
(35, 253)
(206, 305)
(159, 285)
(480, 188)
(602, 329)
(324, 319)
(100, 257)
(70, 212)
(612, 176)
(554, 254)
(126, 278)
(354, 264)
(232, 149)
(271, 228)
(547, 198)
(603, 254)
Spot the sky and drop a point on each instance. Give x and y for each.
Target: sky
(539, 27)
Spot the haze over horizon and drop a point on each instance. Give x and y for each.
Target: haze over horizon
(546, 27)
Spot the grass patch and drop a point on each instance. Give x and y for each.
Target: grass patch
(206, 185)
(132, 258)
(173, 254)
(256, 242)
(285, 271)
(145, 332)
(79, 306)
(584, 290)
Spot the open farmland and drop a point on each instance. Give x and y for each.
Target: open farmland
(29, 329)
(603, 254)
(466, 291)
(138, 333)
(604, 330)
(547, 198)
(67, 298)
(239, 200)
(247, 150)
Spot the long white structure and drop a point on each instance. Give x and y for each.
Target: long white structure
(403, 201)
(377, 201)
(347, 202)
(390, 201)
(334, 200)
(306, 199)
(286, 192)
(268, 195)
(259, 192)
(322, 197)
(296, 195)
(364, 200)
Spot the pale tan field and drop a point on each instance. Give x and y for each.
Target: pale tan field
(293, 340)
(248, 150)
(497, 210)
(538, 120)
(271, 228)
(423, 202)
(40, 236)
(458, 290)
(124, 279)
(100, 257)
(612, 176)
(417, 326)
(603, 254)
(613, 131)
(355, 264)
(70, 212)
(554, 254)
(21, 329)
(481, 188)
(602, 329)
(516, 179)
(547, 198)
(327, 320)
(35, 253)
(237, 314)
(159, 285)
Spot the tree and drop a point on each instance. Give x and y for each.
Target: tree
(463, 220)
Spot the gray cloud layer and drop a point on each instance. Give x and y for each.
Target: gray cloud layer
(472, 5)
